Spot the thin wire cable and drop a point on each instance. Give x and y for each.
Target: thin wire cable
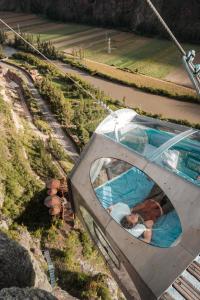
(99, 102)
(183, 52)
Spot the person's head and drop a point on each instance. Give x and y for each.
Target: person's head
(129, 221)
(198, 177)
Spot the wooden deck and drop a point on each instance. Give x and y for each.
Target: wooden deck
(187, 286)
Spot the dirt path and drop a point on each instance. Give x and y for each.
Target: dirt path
(58, 133)
(169, 108)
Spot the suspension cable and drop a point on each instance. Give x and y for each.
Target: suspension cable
(183, 52)
(99, 102)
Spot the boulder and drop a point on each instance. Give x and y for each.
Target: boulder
(16, 268)
(26, 293)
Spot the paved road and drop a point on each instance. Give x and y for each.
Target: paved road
(58, 133)
(169, 108)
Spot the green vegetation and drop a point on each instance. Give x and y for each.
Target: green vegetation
(2, 55)
(45, 47)
(40, 159)
(88, 246)
(79, 284)
(60, 155)
(134, 80)
(3, 37)
(132, 55)
(24, 157)
(18, 181)
(35, 111)
(48, 49)
(77, 113)
(83, 114)
(58, 150)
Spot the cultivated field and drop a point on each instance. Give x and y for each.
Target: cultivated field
(152, 57)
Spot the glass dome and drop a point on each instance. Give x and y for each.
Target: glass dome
(171, 146)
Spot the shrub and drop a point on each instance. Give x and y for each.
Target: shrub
(3, 36)
(58, 151)
(43, 126)
(88, 247)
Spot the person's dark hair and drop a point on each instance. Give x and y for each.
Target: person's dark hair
(126, 224)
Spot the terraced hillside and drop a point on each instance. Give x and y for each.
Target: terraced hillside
(152, 57)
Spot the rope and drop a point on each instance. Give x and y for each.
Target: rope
(99, 102)
(183, 52)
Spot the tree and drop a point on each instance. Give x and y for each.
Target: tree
(3, 37)
(2, 55)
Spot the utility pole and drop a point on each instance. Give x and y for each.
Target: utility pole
(18, 28)
(109, 46)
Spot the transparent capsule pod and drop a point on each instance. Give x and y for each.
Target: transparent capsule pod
(137, 190)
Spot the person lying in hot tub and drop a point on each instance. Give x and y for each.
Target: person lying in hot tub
(141, 218)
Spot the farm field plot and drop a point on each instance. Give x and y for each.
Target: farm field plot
(153, 57)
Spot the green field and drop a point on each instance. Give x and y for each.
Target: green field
(153, 57)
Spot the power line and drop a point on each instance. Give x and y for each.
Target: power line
(183, 52)
(99, 102)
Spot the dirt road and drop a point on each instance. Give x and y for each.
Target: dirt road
(169, 108)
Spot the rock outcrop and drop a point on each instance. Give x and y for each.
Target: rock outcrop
(183, 16)
(21, 263)
(26, 293)
(37, 260)
(15, 264)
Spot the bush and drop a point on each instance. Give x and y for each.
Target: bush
(43, 126)
(88, 247)
(45, 47)
(2, 54)
(43, 67)
(58, 151)
(19, 183)
(3, 36)
(40, 159)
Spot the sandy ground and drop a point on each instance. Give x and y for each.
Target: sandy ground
(169, 108)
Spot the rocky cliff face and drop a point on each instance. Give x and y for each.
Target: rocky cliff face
(25, 271)
(15, 264)
(26, 293)
(183, 16)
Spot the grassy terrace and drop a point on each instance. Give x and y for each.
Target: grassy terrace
(141, 55)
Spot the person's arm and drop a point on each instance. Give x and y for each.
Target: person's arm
(109, 209)
(147, 235)
(148, 232)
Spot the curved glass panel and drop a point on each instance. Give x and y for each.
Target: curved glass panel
(135, 202)
(144, 137)
(183, 158)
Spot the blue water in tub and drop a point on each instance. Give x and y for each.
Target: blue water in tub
(132, 187)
